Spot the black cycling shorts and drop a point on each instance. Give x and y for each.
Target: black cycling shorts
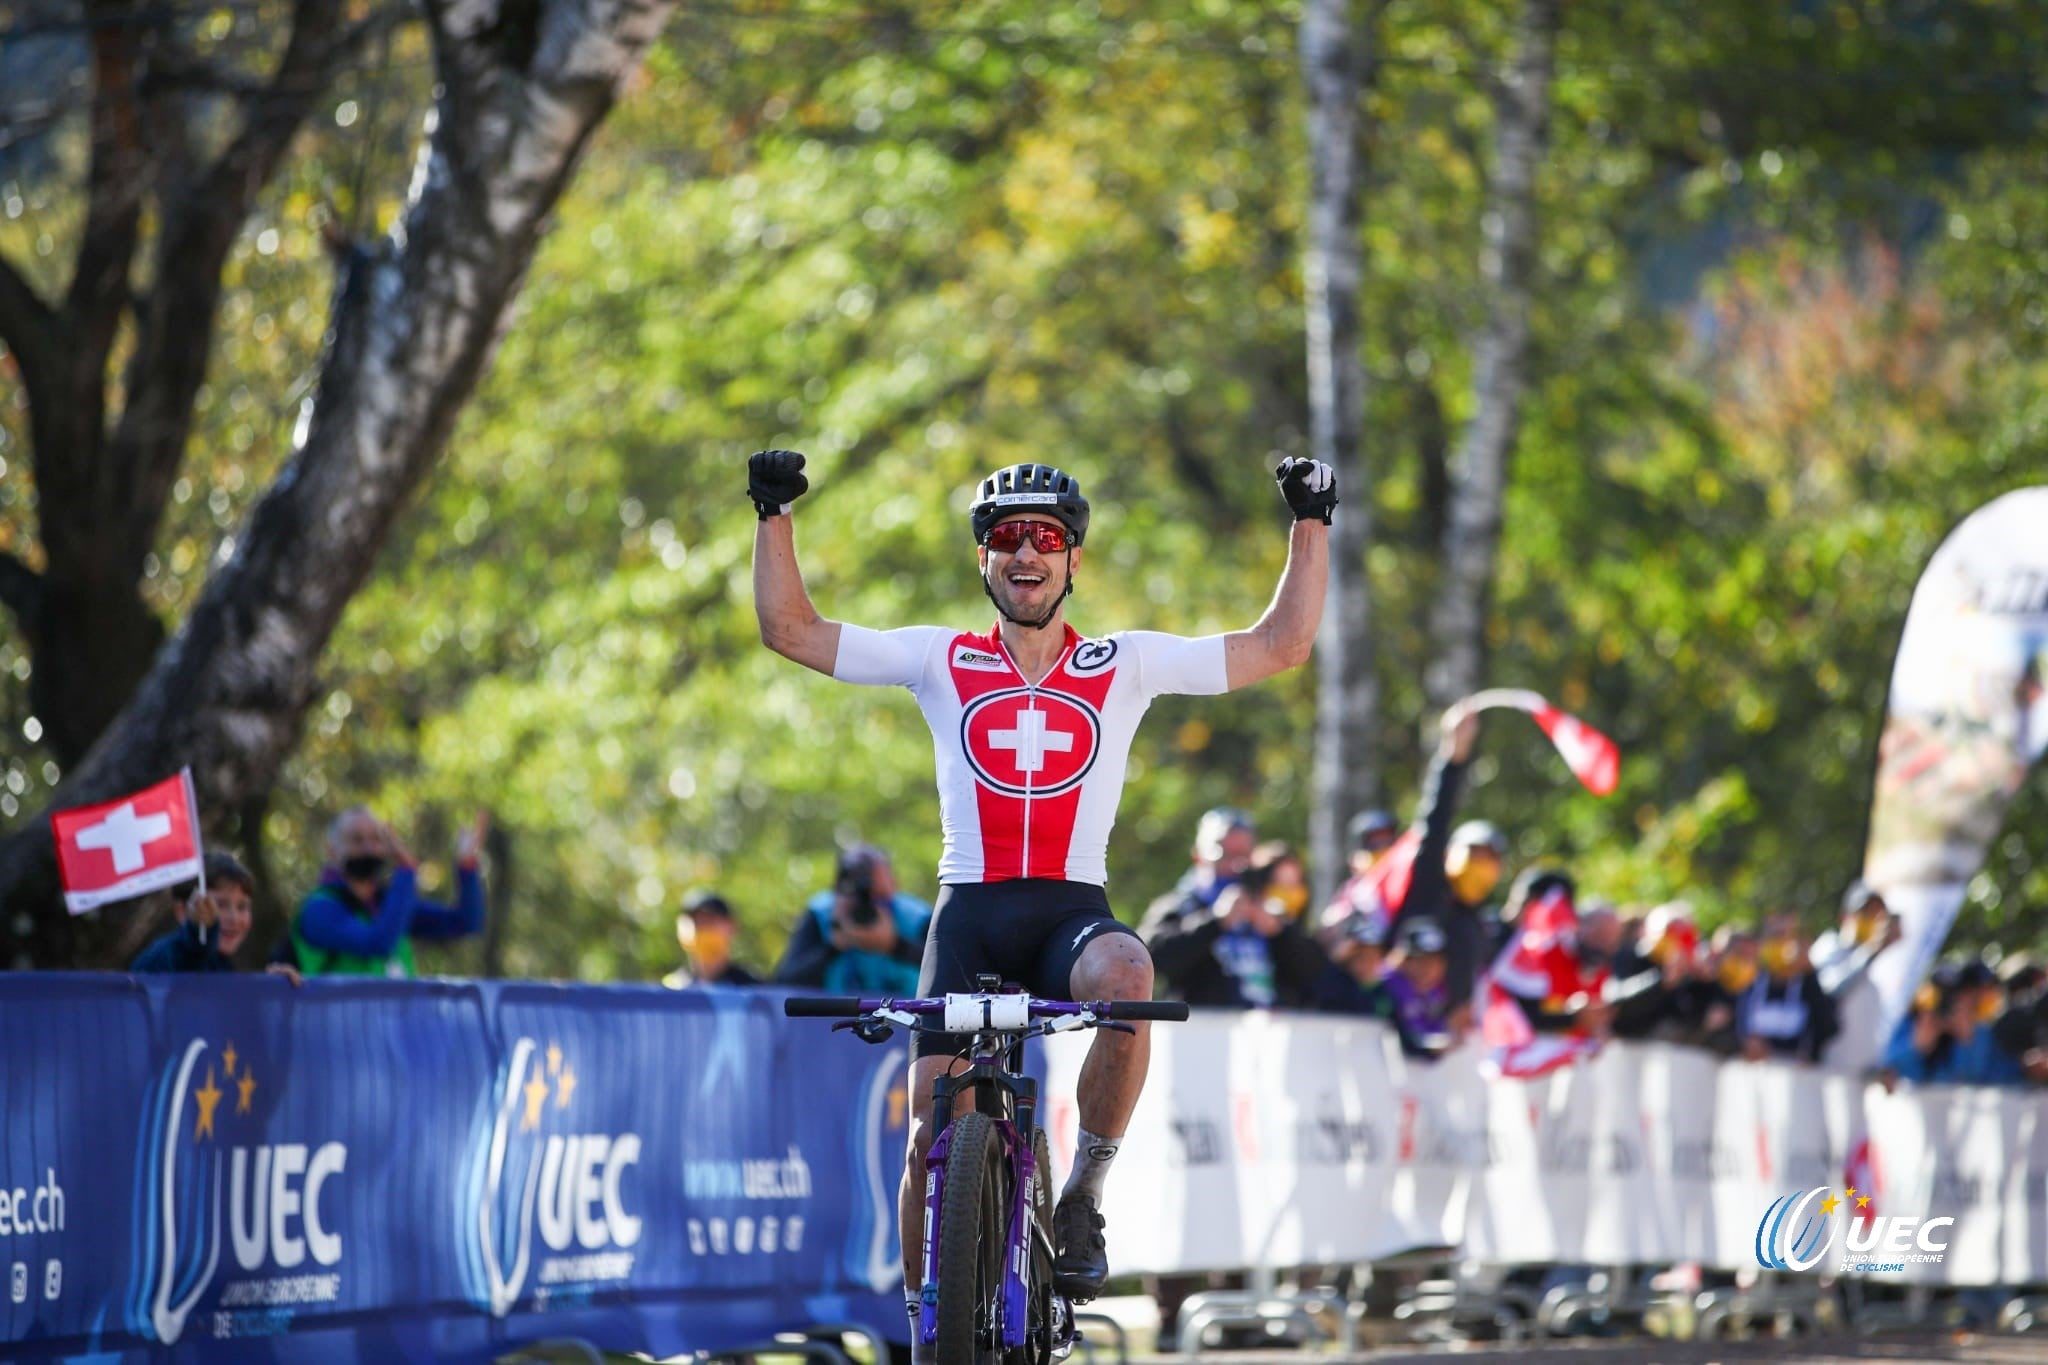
(1029, 932)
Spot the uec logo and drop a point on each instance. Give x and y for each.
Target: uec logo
(1800, 1228)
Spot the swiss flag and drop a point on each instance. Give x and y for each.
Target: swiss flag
(129, 846)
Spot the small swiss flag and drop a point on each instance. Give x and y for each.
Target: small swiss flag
(129, 846)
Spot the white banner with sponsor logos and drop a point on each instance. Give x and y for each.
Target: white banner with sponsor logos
(1280, 1140)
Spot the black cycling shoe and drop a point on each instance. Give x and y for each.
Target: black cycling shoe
(1080, 1260)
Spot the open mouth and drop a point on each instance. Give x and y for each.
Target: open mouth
(1024, 580)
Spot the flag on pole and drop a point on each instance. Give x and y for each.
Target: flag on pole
(1593, 758)
(129, 846)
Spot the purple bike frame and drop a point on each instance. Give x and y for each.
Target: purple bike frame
(1023, 1162)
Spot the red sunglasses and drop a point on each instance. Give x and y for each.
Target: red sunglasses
(1047, 537)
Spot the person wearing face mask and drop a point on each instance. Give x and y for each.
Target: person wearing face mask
(1785, 1013)
(362, 918)
(1842, 958)
(704, 929)
(1669, 994)
(1286, 878)
(1435, 870)
(1241, 953)
(213, 923)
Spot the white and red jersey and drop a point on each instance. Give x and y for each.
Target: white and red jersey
(1029, 776)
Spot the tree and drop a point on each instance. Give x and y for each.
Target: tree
(107, 448)
(1500, 361)
(415, 320)
(1336, 68)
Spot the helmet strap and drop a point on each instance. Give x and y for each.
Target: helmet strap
(1042, 622)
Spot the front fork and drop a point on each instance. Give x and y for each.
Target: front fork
(1023, 1164)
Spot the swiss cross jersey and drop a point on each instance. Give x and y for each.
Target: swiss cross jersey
(1029, 776)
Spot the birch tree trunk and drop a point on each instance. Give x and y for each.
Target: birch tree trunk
(1500, 361)
(1335, 68)
(520, 89)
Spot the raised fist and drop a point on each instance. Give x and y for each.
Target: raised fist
(775, 479)
(1310, 487)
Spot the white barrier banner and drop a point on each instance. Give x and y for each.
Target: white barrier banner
(1281, 1140)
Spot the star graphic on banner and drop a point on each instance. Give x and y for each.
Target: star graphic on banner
(554, 1059)
(536, 1091)
(564, 1086)
(227, 1058)
(208, 1096)
(1852, 1192)
(1830, 1204)
(1862, 1201)
(247, 1085)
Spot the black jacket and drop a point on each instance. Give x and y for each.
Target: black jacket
(1185, 938)
(1467, 936)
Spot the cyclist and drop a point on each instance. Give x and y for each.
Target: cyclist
(1031, 724)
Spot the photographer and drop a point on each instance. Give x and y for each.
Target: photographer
(862, 937)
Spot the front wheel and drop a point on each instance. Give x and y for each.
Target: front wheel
(973, 1236)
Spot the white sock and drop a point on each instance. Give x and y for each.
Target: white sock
(1092, 1155)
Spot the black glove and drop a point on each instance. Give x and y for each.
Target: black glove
(775, 479)
(1310, 487)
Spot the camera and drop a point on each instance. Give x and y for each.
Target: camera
(855, 885)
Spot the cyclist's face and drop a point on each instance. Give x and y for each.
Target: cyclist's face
(1026, 582)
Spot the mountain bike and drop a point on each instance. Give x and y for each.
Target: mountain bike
(988, 1297)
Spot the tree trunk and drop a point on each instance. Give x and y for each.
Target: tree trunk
(1336, 68)
(1500, 361)
(521, 88)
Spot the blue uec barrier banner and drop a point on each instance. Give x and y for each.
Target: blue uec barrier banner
(231, 1168)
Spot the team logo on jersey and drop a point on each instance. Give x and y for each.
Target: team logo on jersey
(980, 660)
(1091, 656)
(1026, 743)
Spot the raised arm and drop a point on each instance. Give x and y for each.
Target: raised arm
(790, 625)
(1286, 632)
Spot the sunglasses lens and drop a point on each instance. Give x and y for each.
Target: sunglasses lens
(1046, 537)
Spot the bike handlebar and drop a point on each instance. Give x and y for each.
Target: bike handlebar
(852, 1007)
(822, 1007)
(1164, 1011)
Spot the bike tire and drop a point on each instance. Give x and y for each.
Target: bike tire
(973, 1214)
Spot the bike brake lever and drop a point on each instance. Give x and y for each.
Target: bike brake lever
(1119, 1027)
(867, 1030)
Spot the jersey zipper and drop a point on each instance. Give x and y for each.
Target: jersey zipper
(1024, 868)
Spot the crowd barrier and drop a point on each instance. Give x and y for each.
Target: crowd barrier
(373, 1170)
(1284, 1140)
(447, 1170)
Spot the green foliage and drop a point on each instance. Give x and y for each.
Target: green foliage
(1783, 343)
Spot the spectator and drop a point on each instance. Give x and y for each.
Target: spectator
(1240, 953)
(1356, 945)
(2021, 1030)
(1735, 962)
(1225, 839)
(1555, 969)
(1372, 833)
(1668, 993)
(1436, 872)
(704, 928)
(1842, 958)
(362, 919)
(1286, 877)
(213, 923)
(1785, 1013)
(862, 937)
(1945, 1037)
(1408, 992)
